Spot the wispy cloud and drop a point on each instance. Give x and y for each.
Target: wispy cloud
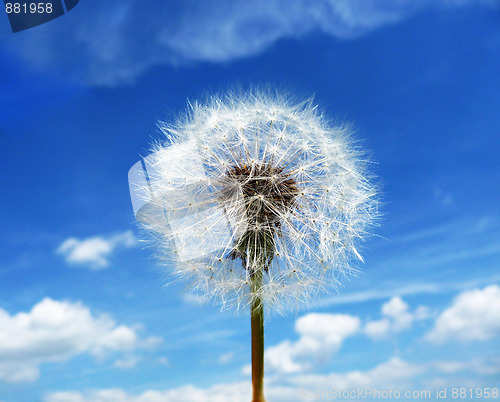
(55, 331)
(226, 357)
(94, 252)
(461, 266)
(380, 294)
(457, 229)
(127, 362)
(194, 299)
(106, 44)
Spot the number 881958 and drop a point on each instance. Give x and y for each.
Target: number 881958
(28, 8)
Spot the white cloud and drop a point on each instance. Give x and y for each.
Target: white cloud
(127, 362)
(55, 331)
(394, 372)
(194, 299)
(94, 252)
(397, 317)
(233, 392)
(378, 328)
(164, 361)
(107, 44)
(226, 357)
(246, 369)
(321, 335)
(397, 310)
(449, 367)
(482, 366)
(474, 315)
(443, 197)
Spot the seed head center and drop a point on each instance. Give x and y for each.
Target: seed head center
(267, 190)
(268, 194)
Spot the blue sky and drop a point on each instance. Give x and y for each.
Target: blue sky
(84, 313)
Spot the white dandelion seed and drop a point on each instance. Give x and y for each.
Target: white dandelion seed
(256, 201)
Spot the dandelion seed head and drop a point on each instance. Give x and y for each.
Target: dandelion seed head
(253, 183)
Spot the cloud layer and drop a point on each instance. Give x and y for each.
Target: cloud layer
(393, 374)
(58, 330)
(55, 331)
(94, 252)
(233, 392)
(108, 43)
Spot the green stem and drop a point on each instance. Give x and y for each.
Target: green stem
(257, 323)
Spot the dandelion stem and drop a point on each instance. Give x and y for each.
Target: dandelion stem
(257, 324)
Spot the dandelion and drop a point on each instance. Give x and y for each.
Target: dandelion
(257, 202)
